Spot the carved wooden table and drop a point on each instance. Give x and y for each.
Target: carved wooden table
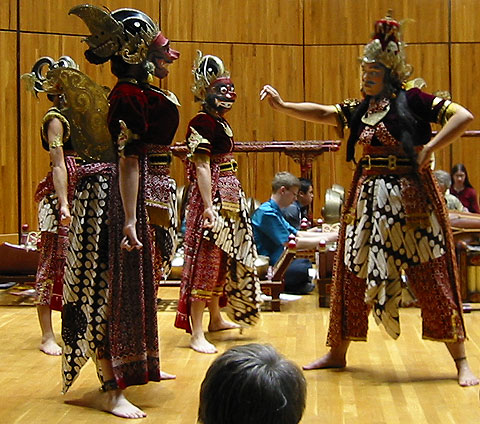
(302, 152)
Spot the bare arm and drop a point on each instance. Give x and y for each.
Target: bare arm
(313, 112)
(59, 170)
(464, 219)
(204, 180)
(309, 240)
(453, 129)
(129, 177)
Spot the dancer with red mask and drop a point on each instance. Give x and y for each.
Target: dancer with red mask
(142, 120)
(219, 247)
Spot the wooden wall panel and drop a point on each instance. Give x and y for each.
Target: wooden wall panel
(234, 21)
(351, 21)
(52, 15)
(307, 49)
(8, 15)
(332, 74)
(465, 87)
(466, 90)
(465, 26)
(251, 66)
(8, 131)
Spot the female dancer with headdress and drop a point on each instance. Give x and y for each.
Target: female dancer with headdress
(122, 335)
(219, 247)
(54, 195)
(394, 222)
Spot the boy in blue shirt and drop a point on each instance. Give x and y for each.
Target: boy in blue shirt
(272, 231)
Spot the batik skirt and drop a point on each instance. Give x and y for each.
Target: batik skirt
(51, 246)
(161, 202)
(395, 242)
(220, 261)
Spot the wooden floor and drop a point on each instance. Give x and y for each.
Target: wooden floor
(408, 381)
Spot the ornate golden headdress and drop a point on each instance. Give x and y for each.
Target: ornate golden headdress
(387, 48)
(37, 82)
(206, 70)
(124, 32)
(86, 105)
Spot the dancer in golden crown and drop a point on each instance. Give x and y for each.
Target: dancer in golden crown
(394, 221)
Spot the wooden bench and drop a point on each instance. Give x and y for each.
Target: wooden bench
(17, 264)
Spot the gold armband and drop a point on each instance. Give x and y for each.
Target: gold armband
(447, 110)
(125, 137)
(342, 121)
(451, 110)
(56, 142)
(197, 144)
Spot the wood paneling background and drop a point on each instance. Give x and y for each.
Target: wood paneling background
(307, 49)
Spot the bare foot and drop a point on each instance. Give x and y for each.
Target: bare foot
(221, 325)
(117, 404)
(466, 377)
(202, 345)
(50, 347)
(328, 360)
(166, 376)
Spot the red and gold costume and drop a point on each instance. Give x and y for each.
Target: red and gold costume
(218, 261)
(151, 115)
(122, 326)
(128, 276)
(394, 222)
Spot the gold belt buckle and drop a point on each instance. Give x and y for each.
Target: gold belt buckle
(392, 162)
(234, 165)
(368, 166)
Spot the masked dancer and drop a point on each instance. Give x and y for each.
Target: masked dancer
(219, 247)
(54, 195)
(394, 226)
(141, 119)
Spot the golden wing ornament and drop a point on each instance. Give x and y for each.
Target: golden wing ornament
(86, 110)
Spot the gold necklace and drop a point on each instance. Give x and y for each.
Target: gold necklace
(373, 118)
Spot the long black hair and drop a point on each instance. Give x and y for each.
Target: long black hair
(413, 129)
(461, 167)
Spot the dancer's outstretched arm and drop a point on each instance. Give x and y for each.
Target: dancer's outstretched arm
(306, 111)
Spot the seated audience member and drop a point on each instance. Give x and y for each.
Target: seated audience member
(298, 210)
(444, 182)
(462, 188)
(272, 232)
(252, 384)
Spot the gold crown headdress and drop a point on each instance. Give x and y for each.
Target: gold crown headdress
(206, 70)
(387, 48)
(37, 80)
(124, 32)
(86, 105)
